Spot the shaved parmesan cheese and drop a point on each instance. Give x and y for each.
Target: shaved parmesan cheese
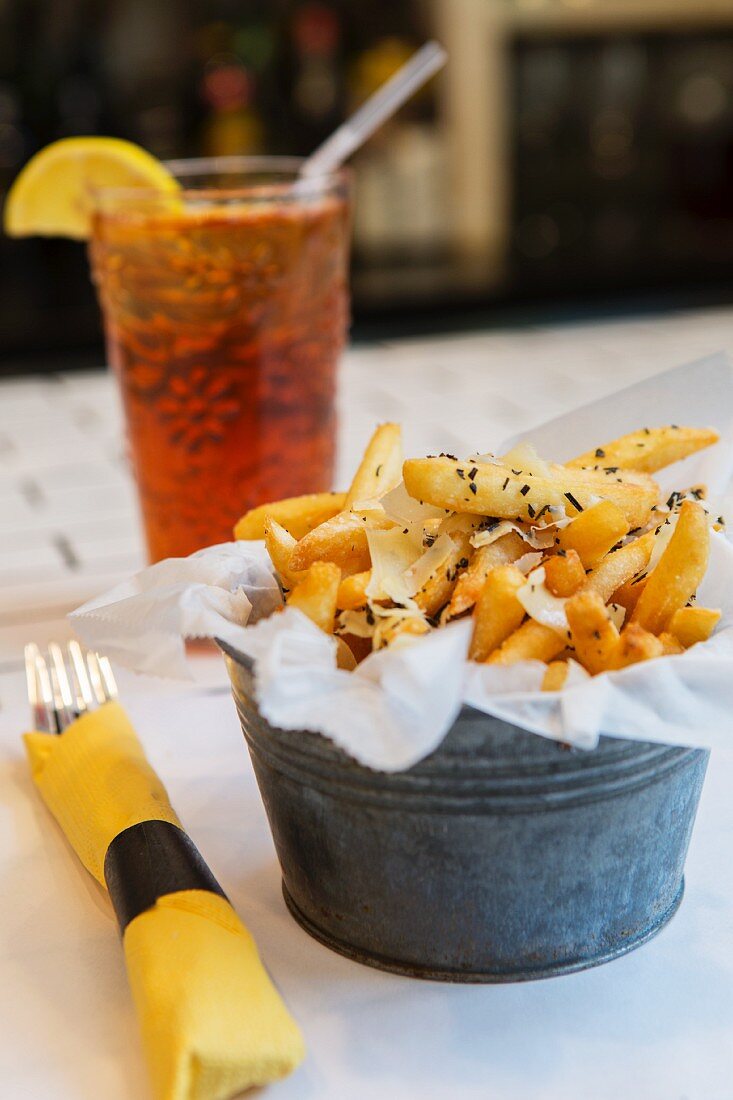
(431, 529)
(420, 572)
(540, 538)
(354, 622)
(385, 633)
(368, 508)
(553, 517)
(392, 552)
(491, 534)
(524, 458)
(460, 521)
(527, 562)
(405, 639)
(374, 622)
(399, 506)
(485, 460)
(409, 611)
(541, 605)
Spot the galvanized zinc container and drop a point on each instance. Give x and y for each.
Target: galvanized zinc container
(501, 857)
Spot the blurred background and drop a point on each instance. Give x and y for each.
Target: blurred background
(574, 155)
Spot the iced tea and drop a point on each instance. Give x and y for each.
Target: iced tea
(225, 313)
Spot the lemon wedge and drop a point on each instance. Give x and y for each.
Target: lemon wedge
(53, 196)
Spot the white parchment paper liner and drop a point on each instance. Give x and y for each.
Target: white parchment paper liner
(398, 705)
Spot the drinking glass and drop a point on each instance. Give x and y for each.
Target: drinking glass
(225, 310)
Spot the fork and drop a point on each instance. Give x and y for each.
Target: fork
(64, 684)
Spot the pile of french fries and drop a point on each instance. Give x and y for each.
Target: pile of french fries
(555, 563)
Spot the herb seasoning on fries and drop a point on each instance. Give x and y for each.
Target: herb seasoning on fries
(581, 561)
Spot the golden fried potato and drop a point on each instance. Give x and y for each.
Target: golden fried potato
(594, 635)
(298, 515)
(678, 572)
(594, 532)
(532, 641)
(352, 592)
(627, 595)
(555, 676)
(693, 624)
(316, 594)
(671, 646)
(620, 566)
(280, 545)
(503, 551)
(564, 573)
(381, 467)
(649, 449)
(341, 540)
(535, 641)
(636, 644)
(495, 490)
(437, 591)
(498, 612)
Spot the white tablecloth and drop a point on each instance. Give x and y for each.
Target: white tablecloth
(654, 1025)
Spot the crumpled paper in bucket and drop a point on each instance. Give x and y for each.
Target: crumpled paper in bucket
(397, 706)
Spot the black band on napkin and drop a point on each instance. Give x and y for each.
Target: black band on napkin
(148, 861)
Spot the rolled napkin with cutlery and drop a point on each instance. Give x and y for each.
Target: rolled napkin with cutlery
(212, 1022)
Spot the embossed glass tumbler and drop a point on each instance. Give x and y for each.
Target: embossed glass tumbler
(225, 311)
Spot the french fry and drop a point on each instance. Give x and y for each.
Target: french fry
(627, 596)
(555, 676)
(621, 566)
(280, 545)
(693, 624)
(636, 644)
(648, 449)
(532, 641)
(498, 612)
(316, 594)
(320, 547)
(594, 532)
(437, 591)
(503, 551)
(341, 540)
(380, 468)
(564, 573)
(495, 490)
(594, 635)
(298, 515)
(671, 646)
(678, 572)
(352, 591)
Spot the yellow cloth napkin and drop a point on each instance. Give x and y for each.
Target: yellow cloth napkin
(212, 1022)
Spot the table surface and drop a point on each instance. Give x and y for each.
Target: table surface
(655, 1024)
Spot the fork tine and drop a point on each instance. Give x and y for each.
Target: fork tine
(46, 693)
(84, 698)
(95, 677)
(31, 652)
(108, 677)
(60, 683)
(40, 715)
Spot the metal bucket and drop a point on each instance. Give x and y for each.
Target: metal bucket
(501, 857)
